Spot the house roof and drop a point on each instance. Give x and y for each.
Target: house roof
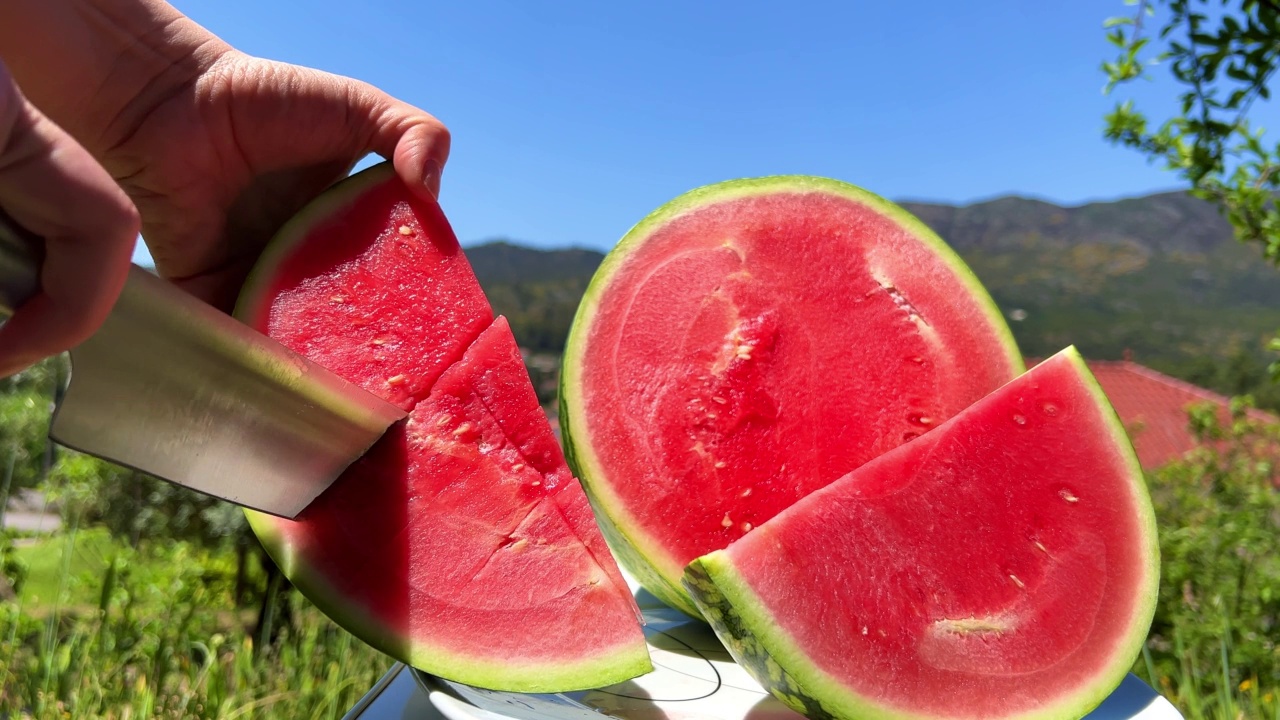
(1153, 407)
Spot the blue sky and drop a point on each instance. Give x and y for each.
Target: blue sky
(572, 120)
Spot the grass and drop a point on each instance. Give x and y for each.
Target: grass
(71, 563)
(1208, 693)
(100, 630)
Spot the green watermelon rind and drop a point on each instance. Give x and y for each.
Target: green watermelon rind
(502, 674)
(640, 554)
(774, 659)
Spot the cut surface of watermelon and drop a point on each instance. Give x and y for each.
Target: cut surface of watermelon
(1003, 565)
(753, 341)
(461, 543)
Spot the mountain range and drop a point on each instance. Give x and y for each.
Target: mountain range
(1158, 278)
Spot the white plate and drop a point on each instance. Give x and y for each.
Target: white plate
(694, 678)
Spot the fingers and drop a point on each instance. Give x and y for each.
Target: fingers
(53, 187)
(416, 143)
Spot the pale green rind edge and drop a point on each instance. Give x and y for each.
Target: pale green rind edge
(602, 670)
(772, 657)
(1146, 611)
(625, 549)
(632, 660)
(640, 553)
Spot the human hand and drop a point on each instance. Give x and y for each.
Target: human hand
(217, 165)
(216, 150)
(51, 185)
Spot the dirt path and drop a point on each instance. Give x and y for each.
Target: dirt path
(32, 521)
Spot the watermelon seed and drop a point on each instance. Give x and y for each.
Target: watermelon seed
(964, 626)
(443, 420)
(406, 230)
(746, 493)
(1041, 547)
(339, 299)
(726, 522)
(378, 341)
(746, 527)
(462, 429)
(901, 301)
(719, 463)
(719, 399)
(864, 629)
(517, 467)
(536, 483)
(396, 380)
(1020, 419)
(1016, 581)
(1068, 496)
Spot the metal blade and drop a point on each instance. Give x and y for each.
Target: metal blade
(174, 388)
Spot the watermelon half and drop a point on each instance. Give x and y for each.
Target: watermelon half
(1003, 565)
(461, 543)
(752, 341)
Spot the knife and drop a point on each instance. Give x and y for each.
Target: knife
(174, 388)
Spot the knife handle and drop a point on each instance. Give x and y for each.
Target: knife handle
(21, 253)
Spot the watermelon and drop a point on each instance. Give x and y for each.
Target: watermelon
(461, 543)
(1003, 565)
(749, 343)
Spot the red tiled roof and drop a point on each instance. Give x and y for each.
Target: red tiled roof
(1153, 407)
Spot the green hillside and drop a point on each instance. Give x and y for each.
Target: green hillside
(1159, 278)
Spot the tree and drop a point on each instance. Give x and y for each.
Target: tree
(1223, 65)
(1222, 54)
(26, 399)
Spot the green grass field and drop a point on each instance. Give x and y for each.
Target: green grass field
(69, 564)
(100, 630)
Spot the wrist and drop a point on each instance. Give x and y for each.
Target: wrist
(98, 67)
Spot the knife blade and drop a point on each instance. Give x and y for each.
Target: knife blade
(174, 388)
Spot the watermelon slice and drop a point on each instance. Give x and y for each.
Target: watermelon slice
(1003, 565)
(461, 543)
(749, 343)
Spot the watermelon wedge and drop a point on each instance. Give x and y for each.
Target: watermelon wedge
(752, 341)
(1003, 565)
(460, 544)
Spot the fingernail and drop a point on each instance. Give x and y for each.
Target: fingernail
(431, 177)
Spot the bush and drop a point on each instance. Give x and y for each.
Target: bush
(1214, 638)
(13, 571)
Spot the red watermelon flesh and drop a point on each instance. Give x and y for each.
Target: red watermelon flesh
(1003, 565)
(461, 543)
(752, 342)
(380, 294)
